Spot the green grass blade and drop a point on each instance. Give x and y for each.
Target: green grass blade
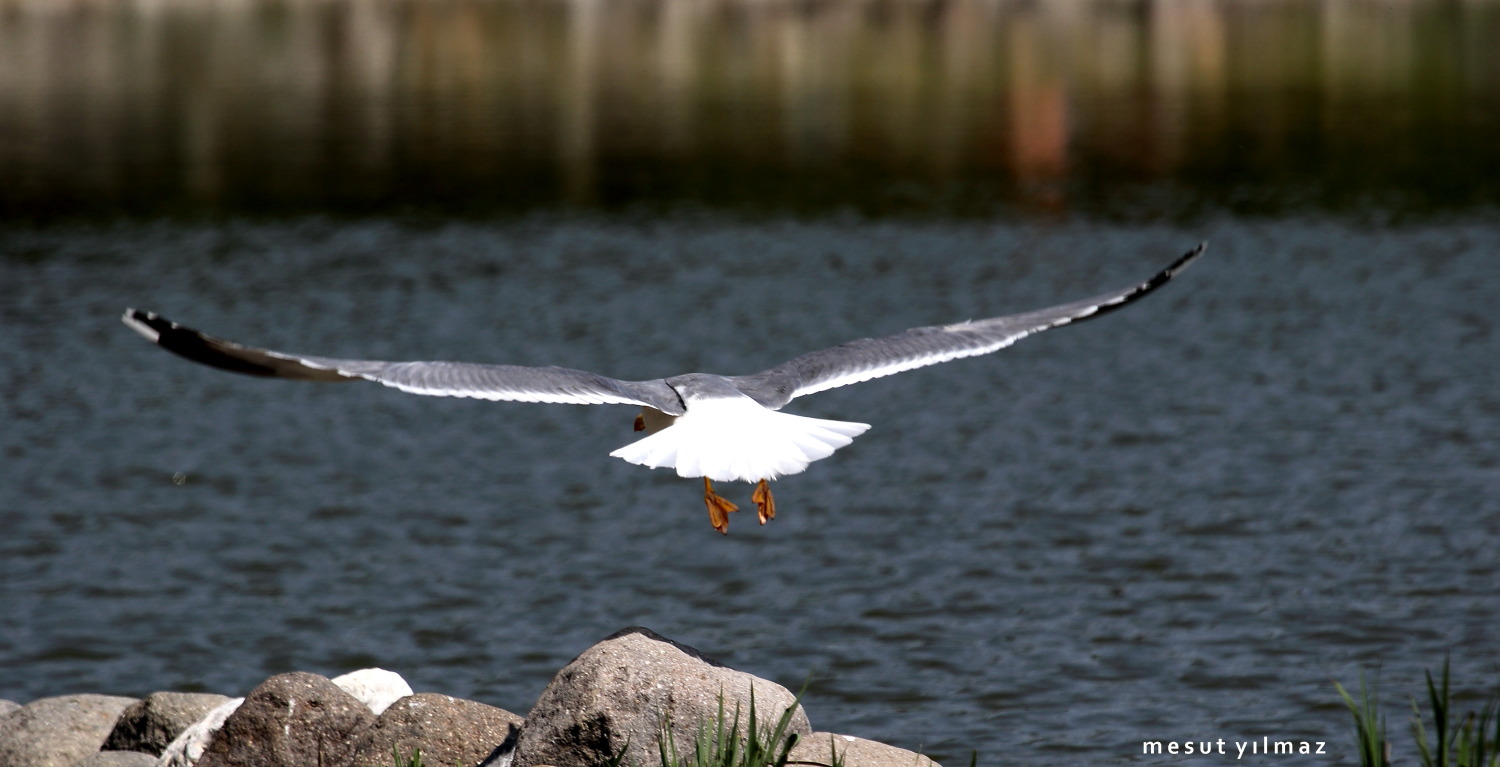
(1440, 711)
(415, 760)
(718, 743)
(1419, 734)
(1368, 726)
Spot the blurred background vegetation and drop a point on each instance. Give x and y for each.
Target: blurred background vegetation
(1117, 108)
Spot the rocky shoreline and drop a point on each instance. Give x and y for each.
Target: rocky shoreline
(618, 696)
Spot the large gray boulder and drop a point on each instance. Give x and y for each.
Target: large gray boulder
(117, 759)
(290, 720)
(818, 751)
(56, 732)
(151, 723)
(186, 749)
(7, 706)
(618, 694)
(450, 732)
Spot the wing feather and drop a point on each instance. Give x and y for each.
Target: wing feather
(439, 379)
(868, 358)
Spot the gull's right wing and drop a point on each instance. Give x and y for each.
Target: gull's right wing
(869, 358)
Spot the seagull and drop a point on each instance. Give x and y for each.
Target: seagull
(720, 428)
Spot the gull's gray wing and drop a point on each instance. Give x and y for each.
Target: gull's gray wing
(440, 379)
(869, 358)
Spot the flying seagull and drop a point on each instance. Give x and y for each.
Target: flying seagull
(716, 427)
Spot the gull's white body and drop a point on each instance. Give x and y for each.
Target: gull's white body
(736, 438)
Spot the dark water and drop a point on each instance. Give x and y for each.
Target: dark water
(1181, 522)
(1159, 108)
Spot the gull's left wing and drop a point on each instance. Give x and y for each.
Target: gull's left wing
(869, 358)
(440, 379)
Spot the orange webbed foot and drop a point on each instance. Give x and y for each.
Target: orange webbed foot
(718, 507)
(765, 505)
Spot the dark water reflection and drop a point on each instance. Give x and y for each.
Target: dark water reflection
(965, 106)
(1180, 522)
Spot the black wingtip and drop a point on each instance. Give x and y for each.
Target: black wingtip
(1171, 271)
(1140, 291)
(224, 355)
(145, 323)
(1185, 260)
(193, 345)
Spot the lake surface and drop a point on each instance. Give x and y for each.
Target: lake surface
(1181, 522)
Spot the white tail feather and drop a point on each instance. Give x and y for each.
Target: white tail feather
(737, 439)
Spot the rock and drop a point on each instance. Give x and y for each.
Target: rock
(856, 752)
(150, 724)
(617, 694)
(186, 749)
(7, 706)
(374, 687)
(56, 732)
(290, 720)
(117, 759)
(449, 731)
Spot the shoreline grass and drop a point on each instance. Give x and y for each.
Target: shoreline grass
(1470, 740)
(716, 745)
